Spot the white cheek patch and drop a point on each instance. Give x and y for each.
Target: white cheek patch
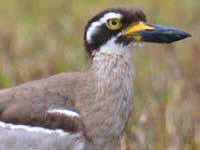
(112, 47)
(64, 112)
(94, 26)
(31, 129)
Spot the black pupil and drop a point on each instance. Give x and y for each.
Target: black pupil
(114, 23)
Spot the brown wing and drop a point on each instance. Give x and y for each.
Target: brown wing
(29, 104)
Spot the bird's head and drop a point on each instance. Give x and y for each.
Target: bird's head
(115, 29)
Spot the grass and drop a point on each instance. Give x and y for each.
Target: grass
(42, 38)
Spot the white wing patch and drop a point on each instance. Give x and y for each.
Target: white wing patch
(64, 112)
(31, 129)
(93, 27)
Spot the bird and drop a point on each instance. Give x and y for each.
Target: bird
(97, 101)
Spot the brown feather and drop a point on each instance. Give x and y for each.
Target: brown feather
(28, 103)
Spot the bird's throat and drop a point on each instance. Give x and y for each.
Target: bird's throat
(111, 57)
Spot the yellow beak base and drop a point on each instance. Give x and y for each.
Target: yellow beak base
(137, 27)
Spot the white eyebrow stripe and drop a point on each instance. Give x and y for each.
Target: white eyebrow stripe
(93, 27)
(31, 129)
(64, 112)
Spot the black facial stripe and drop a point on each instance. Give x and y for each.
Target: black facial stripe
(123, 40)
(103, 34)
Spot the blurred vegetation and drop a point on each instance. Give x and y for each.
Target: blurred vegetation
(41, 38)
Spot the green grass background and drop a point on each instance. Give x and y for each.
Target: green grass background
(39, 38)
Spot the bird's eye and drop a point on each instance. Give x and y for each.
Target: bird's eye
(114, 24)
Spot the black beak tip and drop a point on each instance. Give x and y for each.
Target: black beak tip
(163, 34)
(182, 35)
(186, 35)
(189, 35)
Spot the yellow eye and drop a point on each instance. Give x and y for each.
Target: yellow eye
(114, 24)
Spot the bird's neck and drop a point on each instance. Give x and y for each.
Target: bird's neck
(107, 97)
(115, 51)
(109, 56)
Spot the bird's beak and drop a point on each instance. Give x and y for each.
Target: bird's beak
(154, 33)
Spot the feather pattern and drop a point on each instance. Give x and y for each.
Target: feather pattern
(108, 91)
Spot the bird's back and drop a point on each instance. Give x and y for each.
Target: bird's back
(28, 103)
(24, 109)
